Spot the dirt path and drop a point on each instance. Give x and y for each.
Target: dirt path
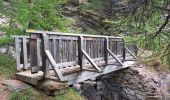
(4, 92)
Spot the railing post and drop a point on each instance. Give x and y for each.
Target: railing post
(33, 53)
(124, 50)
(106, 43)
(80, 53)
(45, 63)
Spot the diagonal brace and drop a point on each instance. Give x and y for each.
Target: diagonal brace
(114, 56)
(53, 63)
(91, 61)
(131, 53)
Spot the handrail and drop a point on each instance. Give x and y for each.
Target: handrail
(69, 34)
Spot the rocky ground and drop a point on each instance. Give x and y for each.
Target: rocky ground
(135, 83)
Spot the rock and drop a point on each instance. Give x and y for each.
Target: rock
(15, 85)
(89, 91)
(126, 84)
(53, 88)
(77, 87)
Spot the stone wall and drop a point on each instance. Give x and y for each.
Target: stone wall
(126, 84)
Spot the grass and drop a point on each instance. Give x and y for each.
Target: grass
(7, 65)
(70, 95)
(31, 94)
(27, 94)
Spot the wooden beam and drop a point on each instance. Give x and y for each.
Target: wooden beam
(72, 77)
(114, 56)
(69, 34)
(33, 53)
(85, 75)
(106, 46)
(124, 50)
(131, 53)
(45, 63)
(25, 53)
(17, 53)
(55, 68)
(80, 53)
(91, 61)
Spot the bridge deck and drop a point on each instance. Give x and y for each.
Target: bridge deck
(76, 77)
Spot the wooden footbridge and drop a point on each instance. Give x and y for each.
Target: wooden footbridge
(70, 58)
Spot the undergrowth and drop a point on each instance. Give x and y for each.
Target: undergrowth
(31, 94)
(27, 94)
(70, 95)
(7, 65)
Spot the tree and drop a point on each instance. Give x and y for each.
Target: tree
(32, 14)
(146, 22)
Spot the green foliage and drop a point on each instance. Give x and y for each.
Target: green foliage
(23, 95)
(92, 5)
(70, 95)
(138, 22)
(31, 94)
(7, 65)
(32, 14)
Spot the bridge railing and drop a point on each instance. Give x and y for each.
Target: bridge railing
(45, 51)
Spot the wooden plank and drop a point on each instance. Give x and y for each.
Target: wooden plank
(54, 49)
(131, 53)
(67, 64)
(106, 46)
(60, 37)
(54, 66)
(60, 51)
(91, 61)
(70, 34)
(25, 56)
(84, 75)
(33, 53)
(38, 52)
(80, 53)
(45, 63)
(17, 53)
(114, 56)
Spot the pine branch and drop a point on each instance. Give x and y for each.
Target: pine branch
(162, 27)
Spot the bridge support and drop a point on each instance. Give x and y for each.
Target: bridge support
(82, 53)
(107, 51)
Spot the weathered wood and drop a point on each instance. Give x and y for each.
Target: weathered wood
(69, 34)
(33, 48)
(66, 51)
(17, 53)
(131, 53)
(39, 53)
(91, 61)
(114, 56)
(80, 53)
(106, 50)
(25, 56)
(124, 51)
(54, 66)
(84, 75)
(45, 63)
(73, 77)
